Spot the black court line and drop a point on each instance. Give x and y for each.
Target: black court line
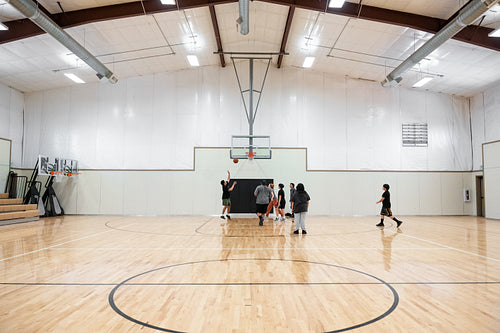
(282, 235)
(146, 324)
(197, 231)
(151, 233)
(241, 283)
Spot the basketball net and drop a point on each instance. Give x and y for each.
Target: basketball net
(250, 155)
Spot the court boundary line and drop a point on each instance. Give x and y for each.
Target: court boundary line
(243, 248)
(450, 247)
(53, 246)
(184, 284)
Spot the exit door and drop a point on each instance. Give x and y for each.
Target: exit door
(480, 195)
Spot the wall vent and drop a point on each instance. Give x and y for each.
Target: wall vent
(415, 135)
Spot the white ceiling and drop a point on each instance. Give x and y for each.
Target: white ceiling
(352, 47)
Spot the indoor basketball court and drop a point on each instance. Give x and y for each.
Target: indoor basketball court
(141, 143)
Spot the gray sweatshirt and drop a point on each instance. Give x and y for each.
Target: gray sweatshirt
(262, 193)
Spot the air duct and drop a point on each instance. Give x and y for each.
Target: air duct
(244, 16)
(31, 11)
(467, 15)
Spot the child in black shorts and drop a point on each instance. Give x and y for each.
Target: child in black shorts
(386, 207)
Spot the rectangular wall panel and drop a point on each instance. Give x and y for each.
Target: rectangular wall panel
(198, 191)
(492, 179)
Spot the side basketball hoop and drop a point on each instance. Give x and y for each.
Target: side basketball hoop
(58, 175)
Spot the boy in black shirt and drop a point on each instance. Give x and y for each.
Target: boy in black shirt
(226, 195)
(386, 207)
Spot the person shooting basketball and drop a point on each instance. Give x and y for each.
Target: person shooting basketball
(226, 195)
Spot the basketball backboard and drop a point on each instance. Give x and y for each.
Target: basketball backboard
(257, 145)
(50, 166)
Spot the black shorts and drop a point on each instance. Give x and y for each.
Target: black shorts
(261, 208)
(282, 204)
(386, 211)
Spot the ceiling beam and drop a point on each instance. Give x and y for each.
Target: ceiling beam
(471, 34)
(288, 24)
(217, 35)
(24, 28)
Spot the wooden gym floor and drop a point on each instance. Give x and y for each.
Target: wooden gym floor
(202, 274)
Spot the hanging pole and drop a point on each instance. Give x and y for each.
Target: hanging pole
(250, 102)
(251, 112)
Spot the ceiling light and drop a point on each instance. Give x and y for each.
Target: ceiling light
(74, 77)
(308, 62)
(336, 3)
(423, 81)
(167, 2)
(193, 60)
(494, 33)
(3, 26)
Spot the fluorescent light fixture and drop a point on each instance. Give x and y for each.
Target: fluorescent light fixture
(3, 26)
(336, 3)
(494, 33)
(74, 77)
(193, 60)
(167, 2)
(423, 81)
(308, 62)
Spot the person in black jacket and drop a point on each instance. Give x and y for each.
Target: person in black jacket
(300, 205)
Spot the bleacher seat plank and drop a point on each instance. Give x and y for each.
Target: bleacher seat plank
(11, 201)
(14, 208)
(21, 220)
(18, 215)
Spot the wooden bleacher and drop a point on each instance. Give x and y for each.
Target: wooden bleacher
(14, 211)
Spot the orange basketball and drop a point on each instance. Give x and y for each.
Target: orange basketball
(235, 160)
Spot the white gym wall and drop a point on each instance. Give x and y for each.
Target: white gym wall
(153, 122)
(4, 162)
(351, 128)
(11, 121)
(198, 191)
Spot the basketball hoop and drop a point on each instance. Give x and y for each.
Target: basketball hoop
(58, 175)
(250, 155)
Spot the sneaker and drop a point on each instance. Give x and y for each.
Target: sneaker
(228, 217)
(282, 219)
(296, 232)
(304, 232)
(276, 219)
(381, 224)
(398, 223)
(222, 217)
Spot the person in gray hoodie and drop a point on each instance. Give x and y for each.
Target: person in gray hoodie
(261, 194)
